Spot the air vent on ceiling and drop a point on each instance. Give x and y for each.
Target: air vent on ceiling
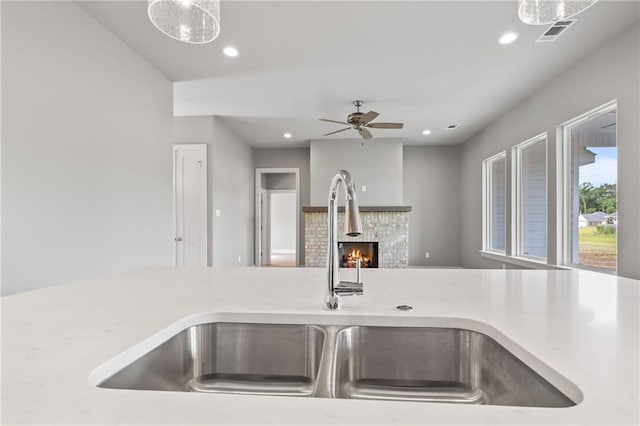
(555, 30)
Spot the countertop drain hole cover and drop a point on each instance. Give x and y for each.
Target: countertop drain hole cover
(404, 307)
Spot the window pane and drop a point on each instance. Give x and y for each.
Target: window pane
(533, 201)
(594, 200)
(498, 192)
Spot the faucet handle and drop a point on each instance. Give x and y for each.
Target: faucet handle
(349, 288)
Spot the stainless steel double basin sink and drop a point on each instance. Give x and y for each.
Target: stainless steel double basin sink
(422, 364)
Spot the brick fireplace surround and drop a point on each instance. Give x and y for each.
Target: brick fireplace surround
(388, 225)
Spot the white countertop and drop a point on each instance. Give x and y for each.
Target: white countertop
(578, 329)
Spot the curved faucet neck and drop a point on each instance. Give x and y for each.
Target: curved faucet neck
(353, 227)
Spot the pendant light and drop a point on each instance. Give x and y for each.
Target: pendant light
(544, 12)
(191, 21)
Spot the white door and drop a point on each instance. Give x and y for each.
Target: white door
(190, 204)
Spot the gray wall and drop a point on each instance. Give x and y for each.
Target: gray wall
(432, 188)
(377, 165)
(230, 187)
(610, 72)
(280, 181)
(86, 150)
(233, 186)
(288, 158)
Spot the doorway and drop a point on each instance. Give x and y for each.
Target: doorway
(277, 217)
(190, 204)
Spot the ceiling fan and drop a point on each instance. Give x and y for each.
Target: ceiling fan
(361, 120)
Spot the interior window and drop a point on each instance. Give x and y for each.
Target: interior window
(495, 195)
(531, 198)
(593, 227)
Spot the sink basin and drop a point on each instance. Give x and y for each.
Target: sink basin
(436, 365)
(271, 359)
(420, 364)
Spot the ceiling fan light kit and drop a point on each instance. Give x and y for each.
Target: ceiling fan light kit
(190, 21)
(359, 121)
(544, 12)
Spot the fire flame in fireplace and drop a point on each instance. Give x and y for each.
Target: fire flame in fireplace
(355, 255)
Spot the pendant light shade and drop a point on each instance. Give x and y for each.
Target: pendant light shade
(191, 21)
(543, 12)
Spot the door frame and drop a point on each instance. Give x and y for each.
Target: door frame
(260, 172)
(202, 148)
(264, 237)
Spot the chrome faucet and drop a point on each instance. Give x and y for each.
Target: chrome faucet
(353, 227)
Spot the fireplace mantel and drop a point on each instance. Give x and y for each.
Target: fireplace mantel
(320, 209)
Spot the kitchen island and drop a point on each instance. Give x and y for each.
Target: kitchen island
(577, 329)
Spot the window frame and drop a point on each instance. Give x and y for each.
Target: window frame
(566, 174)
(517, 211)
(487, 193)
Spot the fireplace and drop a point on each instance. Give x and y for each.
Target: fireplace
(386, 225)
(366, 251)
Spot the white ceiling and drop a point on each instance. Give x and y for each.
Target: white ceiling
(429, 63)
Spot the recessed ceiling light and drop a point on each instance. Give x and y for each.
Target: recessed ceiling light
(426, 132)
(287, 135)
(508, 38)
(230, 51)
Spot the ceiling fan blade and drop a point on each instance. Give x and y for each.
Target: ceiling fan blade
(333, 121)
(371, 115)
(385, 125)
(338, 131)
(365, 133)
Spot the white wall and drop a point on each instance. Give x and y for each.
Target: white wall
(432, 189)
(230, 187)
(377, 165)
(283, 221)
(86, 150)
(610, 72)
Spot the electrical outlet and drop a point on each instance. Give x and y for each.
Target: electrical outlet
(218, 213)
(364, 188)
(427, 255)
(238, 259)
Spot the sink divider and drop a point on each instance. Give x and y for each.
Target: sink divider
(326, 384)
